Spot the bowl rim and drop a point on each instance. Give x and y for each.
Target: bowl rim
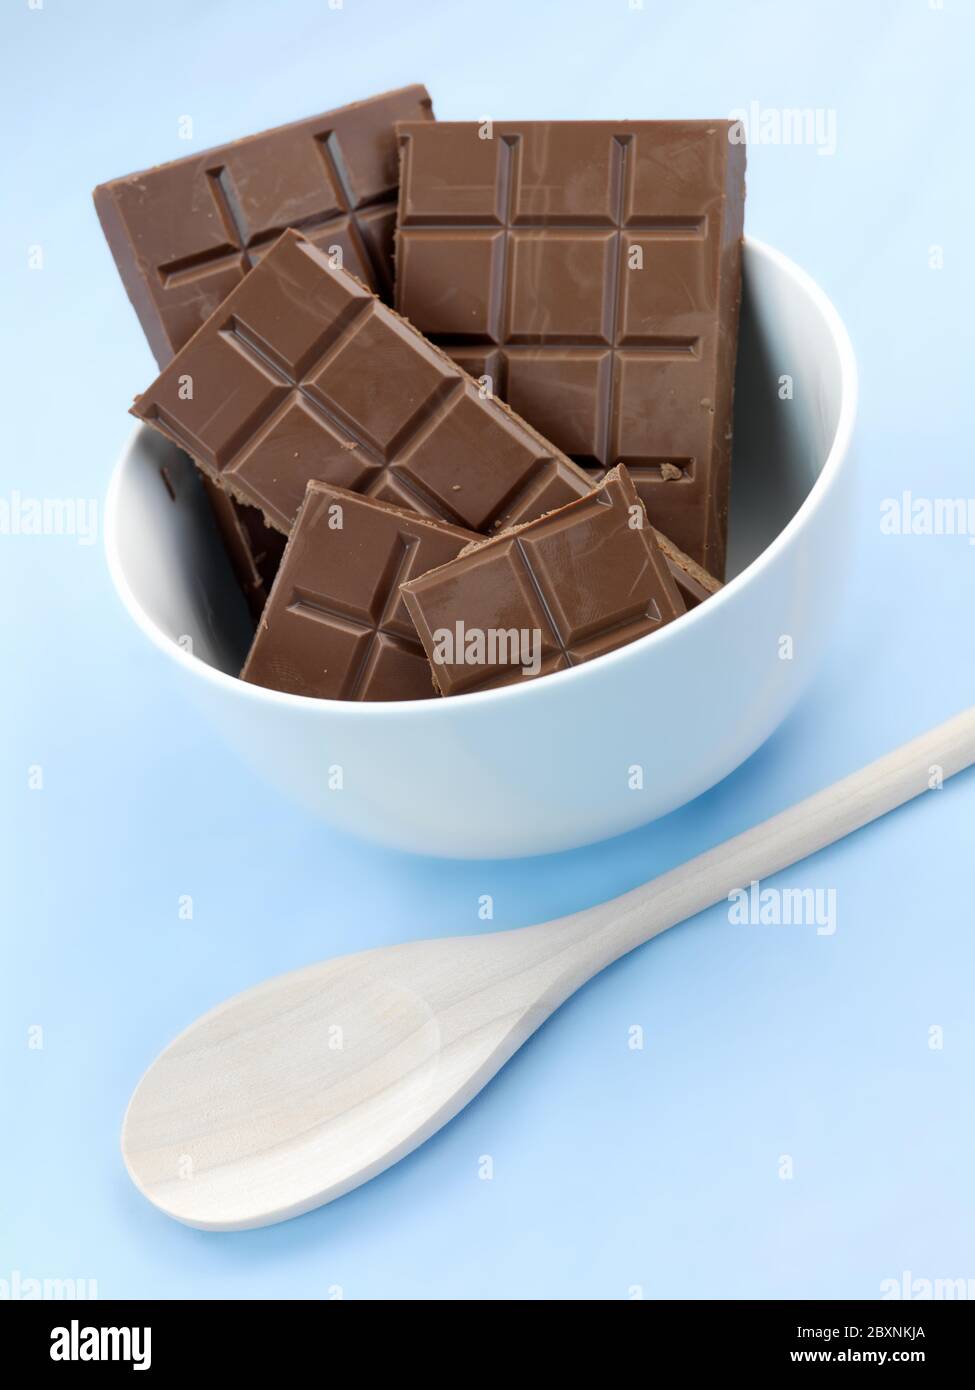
(475, 700)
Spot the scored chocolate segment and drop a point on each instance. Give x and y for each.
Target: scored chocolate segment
(545, 596)
(591, 270)
(303, 374)
(184, 234)
(336, 625)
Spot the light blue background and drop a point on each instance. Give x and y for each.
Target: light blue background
(613, 1167)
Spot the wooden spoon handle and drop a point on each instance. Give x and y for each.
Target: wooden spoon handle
(608, 931)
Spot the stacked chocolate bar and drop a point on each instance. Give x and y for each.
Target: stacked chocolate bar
(500, 452)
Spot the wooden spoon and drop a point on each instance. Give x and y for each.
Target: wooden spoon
(296, 1091)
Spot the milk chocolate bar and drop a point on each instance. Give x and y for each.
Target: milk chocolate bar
(336, 626)
(303, 374)
(184, 234)
(547, 595)
(592, 271)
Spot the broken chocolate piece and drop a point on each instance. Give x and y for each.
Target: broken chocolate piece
(336, 626)
(547, 595)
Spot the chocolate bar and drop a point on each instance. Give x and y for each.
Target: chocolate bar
(254, 549)
(184, 234)
(303, 374)
(546, 595)
(336, 625)
(592, 271)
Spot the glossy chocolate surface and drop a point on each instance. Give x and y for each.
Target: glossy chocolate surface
(592, 271)
(336, 625)
(551, 594)
(184, 234)
(303, 374)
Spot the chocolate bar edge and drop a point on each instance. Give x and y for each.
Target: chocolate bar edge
(420, 88)
(133, 280)
(730, 285)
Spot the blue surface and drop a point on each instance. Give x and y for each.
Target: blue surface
(614, 1168)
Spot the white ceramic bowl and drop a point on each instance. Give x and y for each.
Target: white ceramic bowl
(557, 762)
